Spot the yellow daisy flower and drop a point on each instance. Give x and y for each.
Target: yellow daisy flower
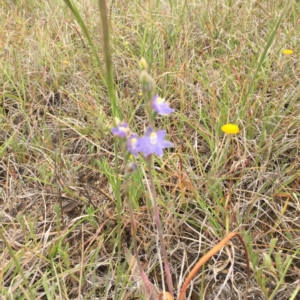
(287, 51)
(230, 128)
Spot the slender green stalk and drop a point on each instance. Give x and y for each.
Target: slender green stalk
(158, 226)
(133, 233)
(78, 18)
(113, 101)
(107, 56)
(148, 86)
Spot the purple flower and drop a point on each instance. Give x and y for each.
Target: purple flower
(121, 130)
(160, 106)
(132, 144)
(153, 142)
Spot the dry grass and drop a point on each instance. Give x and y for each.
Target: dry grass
(59, 222)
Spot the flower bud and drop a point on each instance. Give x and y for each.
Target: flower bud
(143, 64)
(117, 121)
(147, 82)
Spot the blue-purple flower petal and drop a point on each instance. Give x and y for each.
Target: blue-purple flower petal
(121, 130)
(132, 144)
(160, 106)
(153, 142)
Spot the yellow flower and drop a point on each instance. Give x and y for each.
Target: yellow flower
(287, 51)
(143, 64)
(230, 128)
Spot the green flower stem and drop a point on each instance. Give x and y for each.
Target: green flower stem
(107, 56)
(158, 226)
(133, 233)
(115, 112)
